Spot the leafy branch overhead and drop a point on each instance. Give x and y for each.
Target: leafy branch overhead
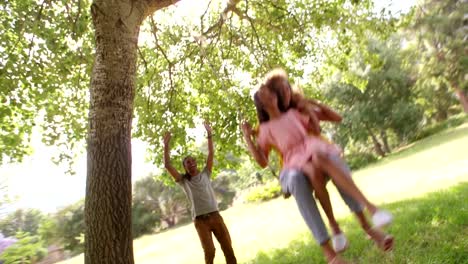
(187, 69)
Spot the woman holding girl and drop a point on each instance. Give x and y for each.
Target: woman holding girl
(297, 137)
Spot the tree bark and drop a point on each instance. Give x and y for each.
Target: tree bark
(386, 146)
(441, 114)
(377, 145)
(461, 95)
(108, 235)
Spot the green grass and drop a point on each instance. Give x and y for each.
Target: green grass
(432, 229)
(430, 226)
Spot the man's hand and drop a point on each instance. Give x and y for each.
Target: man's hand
(167, 138)
(208, 128)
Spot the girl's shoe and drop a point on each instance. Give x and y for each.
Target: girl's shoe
(339, 242)
(381, 218)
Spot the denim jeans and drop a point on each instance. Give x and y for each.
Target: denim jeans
(297, 184)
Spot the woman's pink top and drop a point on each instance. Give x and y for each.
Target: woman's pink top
(289, 136)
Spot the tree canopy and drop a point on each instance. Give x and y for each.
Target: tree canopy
(187, 68)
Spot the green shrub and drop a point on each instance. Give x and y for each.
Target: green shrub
(360, 159)
(264, 192)
(28, 249)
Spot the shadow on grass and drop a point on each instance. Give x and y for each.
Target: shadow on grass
(432, 229)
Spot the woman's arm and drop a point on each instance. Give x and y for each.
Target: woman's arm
(307, 109)
(324, 112)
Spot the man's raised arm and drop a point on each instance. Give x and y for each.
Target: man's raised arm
(167, 161)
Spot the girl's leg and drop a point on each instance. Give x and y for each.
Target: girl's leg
(382, 240)
(298, 185)
(337, 169)
(365, 225)
(341, 175)
(330, 254)
(318, 183)
(317, 180)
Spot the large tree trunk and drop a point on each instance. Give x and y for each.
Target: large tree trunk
(461, 95)
(108, 237)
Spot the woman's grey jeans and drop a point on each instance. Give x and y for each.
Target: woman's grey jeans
(297, 184)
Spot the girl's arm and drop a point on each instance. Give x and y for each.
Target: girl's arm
(260, 156)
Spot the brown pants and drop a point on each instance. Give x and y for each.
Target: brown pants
(213, 222)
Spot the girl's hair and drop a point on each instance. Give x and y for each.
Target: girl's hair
(273, 81)
(261, 113)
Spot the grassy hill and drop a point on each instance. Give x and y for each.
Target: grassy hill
(425, 185)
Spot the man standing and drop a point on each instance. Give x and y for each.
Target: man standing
(204, 207)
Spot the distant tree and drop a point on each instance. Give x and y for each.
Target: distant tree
(441, 28)
(223, 188)
(387, 103)
(69, 227)
(21, 220)
(144, 220)
(5, 199)
(48, 231)
(166, 202)
(146, 211)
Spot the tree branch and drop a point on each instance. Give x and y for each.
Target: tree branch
(204, 14)
(155, 5)
(143, 59)
(231, 7)
(145, 63)
(38, 18)
(169, 62)
(257, 38)
(78, 15)
(289, 13)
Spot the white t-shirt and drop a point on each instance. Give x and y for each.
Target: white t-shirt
(200, 193)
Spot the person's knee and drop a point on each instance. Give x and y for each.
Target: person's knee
(320, 158)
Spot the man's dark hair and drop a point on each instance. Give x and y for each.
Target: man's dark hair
(186, 175)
